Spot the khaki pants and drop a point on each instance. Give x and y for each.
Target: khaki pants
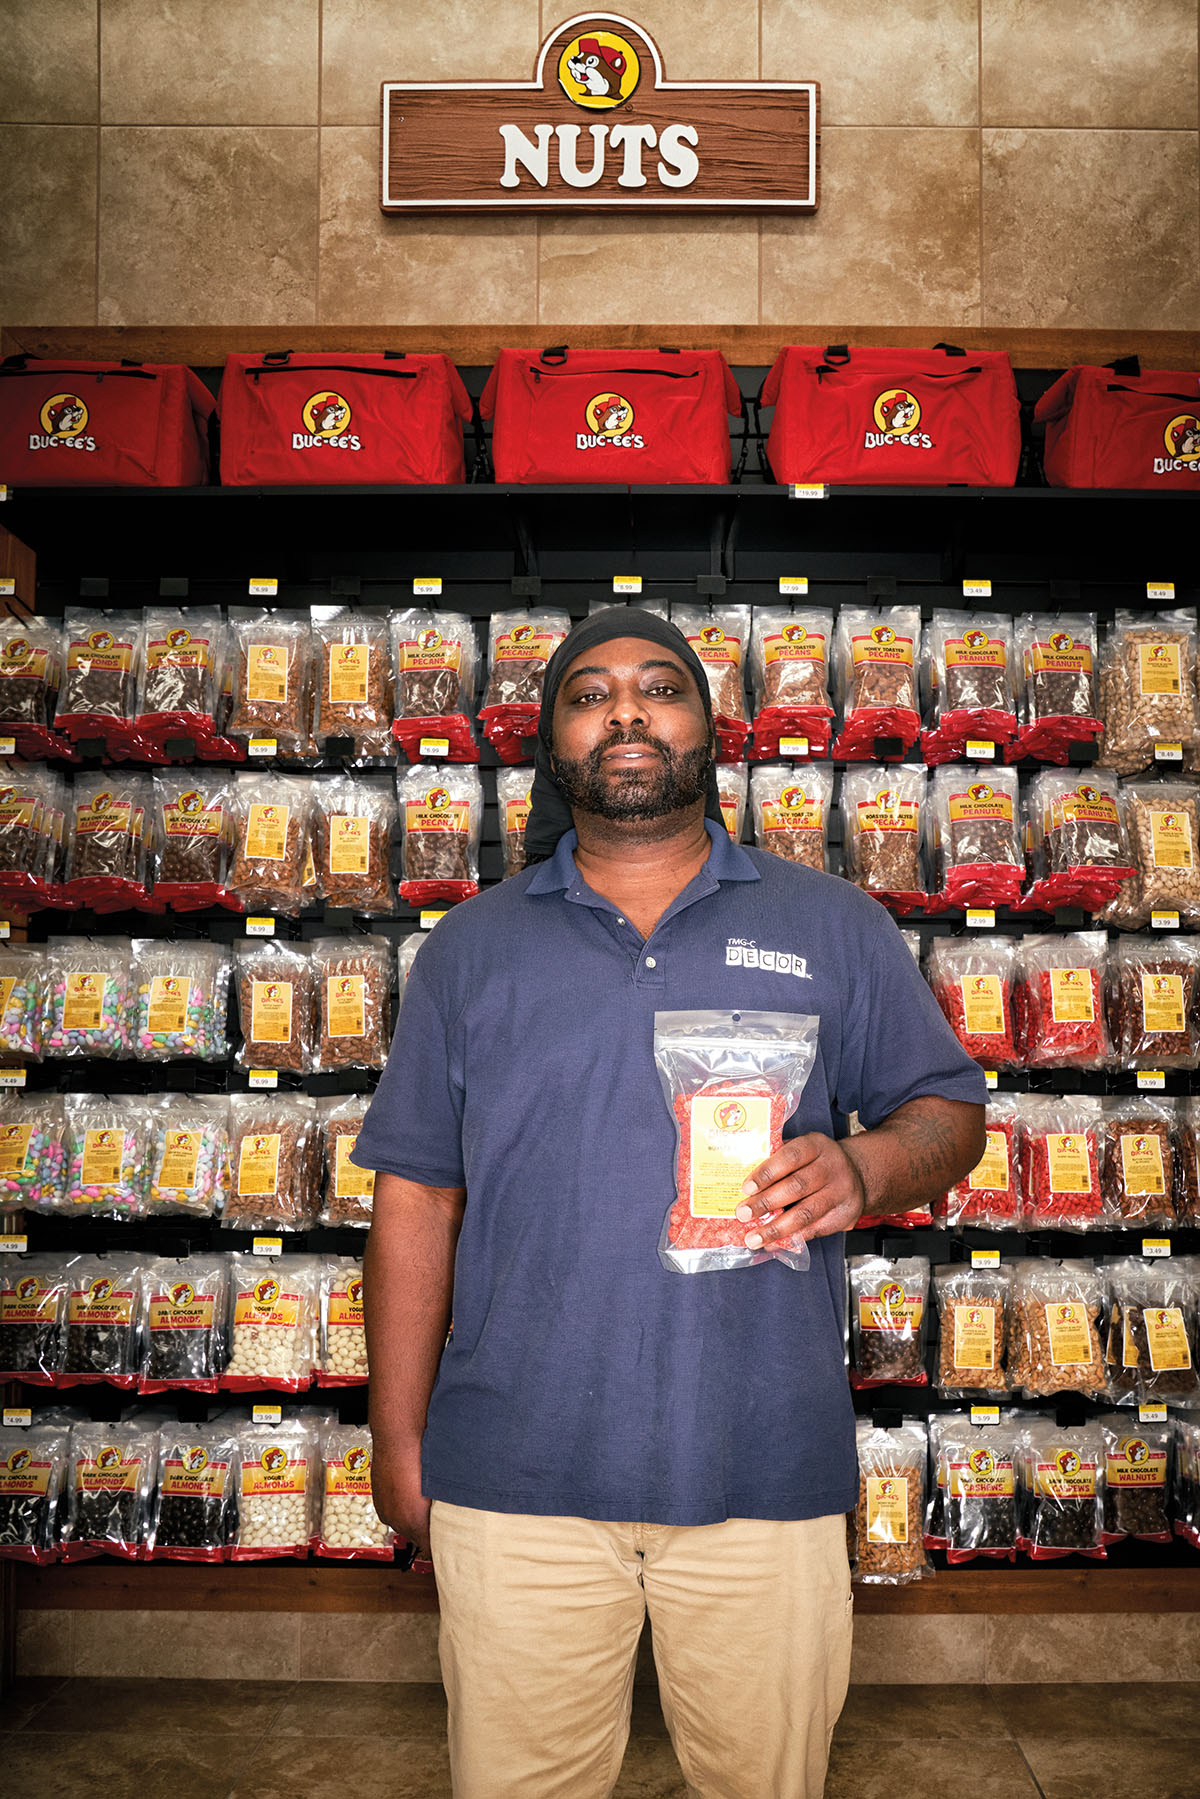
(540, 1623)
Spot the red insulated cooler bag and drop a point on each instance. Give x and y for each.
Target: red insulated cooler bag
(1109, 429)
(627, 416)
(333, 419)
(884, 418)
(102, 424)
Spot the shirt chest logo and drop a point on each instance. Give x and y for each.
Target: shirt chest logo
(743, 952)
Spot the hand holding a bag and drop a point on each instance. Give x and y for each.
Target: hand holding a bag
(811, 1187)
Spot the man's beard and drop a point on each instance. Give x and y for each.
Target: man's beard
(679, 780)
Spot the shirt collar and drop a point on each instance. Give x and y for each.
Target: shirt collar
(726, 862)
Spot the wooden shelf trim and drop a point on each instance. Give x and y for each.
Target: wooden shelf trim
(350, 1587)
(204, 346)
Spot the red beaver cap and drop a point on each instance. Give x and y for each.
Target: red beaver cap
(591, 46)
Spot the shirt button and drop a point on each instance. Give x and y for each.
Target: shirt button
(650, 962)
(620, 921)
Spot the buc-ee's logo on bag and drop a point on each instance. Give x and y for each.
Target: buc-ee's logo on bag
(609, 420)
(326, 417)
(64, 422)
(897, 415)
(1182, 439)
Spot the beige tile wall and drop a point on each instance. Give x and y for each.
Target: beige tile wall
(996, 162)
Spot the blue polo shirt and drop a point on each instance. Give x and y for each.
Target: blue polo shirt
(583, 1378)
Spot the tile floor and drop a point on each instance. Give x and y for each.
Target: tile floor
(175, 1739)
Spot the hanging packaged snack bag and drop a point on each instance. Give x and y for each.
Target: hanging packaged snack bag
(1187, 1161)
(354, 689)
(1060, 1000)
(89, 1011)
(1137, 1461)
(32, 1157)
(977, 856)
(598, 416)
(883, 823)
(347, 418)
(27, 797)
(934, 1533)
(33, 1318)
(513, 795)
(733, 783)
(1062, 1503)
(1077, 853)
(973, 981)
(791, 808)
(434, 657)
(113, 1474)
(184, 1307)
(33, 1474)
(441, 810)
(192, 840)
(24, 997)
(351, 1529)
(182, 997)
(31, 662)
(104, 1324)
(183, 662)
(1122, 426)
(102, 657)
(103, 424)
(354, 819)
(272, 660)
(1059, 700)
(107, 864)
(972, 1308)
(276, 1006)
(979, 1468)
(1054, 1329)
(1139, 1162)
(889, 1306)
(990, 1195)
(196, 1510)
(349, 1190)
(878, 417)
(720, 636)
(278, 1467)
(1162, 828)
(107, 1145)
(353, 981)
(520, 643)
(343, 1348)
(1148, 687)
(969, 657)
(1185, 1488)
(272, 1323)
(1154, 1010)
(1151, 1351)
(272, 822)
(188, 1167)
(274, 1152)
(731, 1081)
(1061, 1155)
(790, 649)
(877, 650)
(891, 1503)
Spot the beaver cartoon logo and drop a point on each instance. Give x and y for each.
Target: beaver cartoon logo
(11, 1133)
(1067, 1462)
(976, 640)
(974, 1315)
(171, 986)
(1089, 795)
(980, 983)
(887, 1488)
(980, 791)
(982, 1461)
(1061, 642)
(437, 799)
(609, 420)
(18, 1461)
(1066, 1311)
(599, 71)
(64, 422)
(356, 1460)
(261, 1145)
(100, 1289)
(1136, 1451)
(103, 1139)
(354, 1291)
(179, 639)
(102, 802)
(1182, 438)
(326, 417)
(27, 1289)
(191, 802)
(897, 414)
(891, 1295)
(266, 1291)
(883, 635)
(712, 637)
(274, 1459)
(345, 986)
(794, 633)
(108, 1457)
(887, 800)
(429, 640)
(792, 798)
(195, 1459)
(730, 1115)
(1162, 1319)
(17, 651)
(181, 1294)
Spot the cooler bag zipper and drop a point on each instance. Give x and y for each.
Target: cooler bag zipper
(335, 368)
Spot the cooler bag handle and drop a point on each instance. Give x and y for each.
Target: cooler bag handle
(1144, 393)
(950, 349)
(1125, 365)
(556, 355)
(20, 361)
(275, 359)
(836, 356)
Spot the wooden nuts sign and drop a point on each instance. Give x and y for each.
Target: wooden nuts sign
(599, 127)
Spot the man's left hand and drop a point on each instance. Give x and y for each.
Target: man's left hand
(812, 1188)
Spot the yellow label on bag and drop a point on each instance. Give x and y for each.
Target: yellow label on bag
(14, 1147)
(1170, 838)
(274, 1471)
(1070, 1164)
(983, 1005)
(267, 673)
(100, 1165)
(887, 1508)
(974, 1335)
(1071, 999)
(1158, 668)
(265, 1303)
(180, 1156)
(1142, 1165)
(350, 1181)
(1135, 1463)
(191, 1475)
(991, 1170)
(83, 1001)
(270, 1011)
(1162, 1002)
(1166, 1338)
(349, 843)
(891, 1309)
(346, 1005)
(168, 1004)
(349, 673)
(1067, 1329)
(102, 1301)
(266, 833)
(729, 1138)
(258, 1165)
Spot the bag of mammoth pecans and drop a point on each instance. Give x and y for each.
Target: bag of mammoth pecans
(274, 1153)
(272, 1322)
(279, 1470)
(891, 1503)
(353, 681)
(351, 1529)
(354, 983)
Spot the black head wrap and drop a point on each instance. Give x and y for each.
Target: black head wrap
(549, 813)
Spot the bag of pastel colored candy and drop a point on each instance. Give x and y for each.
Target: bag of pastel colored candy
(106, 1148)
(32, 1126)
(89, 1008)
(188, 1166)
(24, 977)
(182, 1000)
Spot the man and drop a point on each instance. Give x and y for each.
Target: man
(602, 1436)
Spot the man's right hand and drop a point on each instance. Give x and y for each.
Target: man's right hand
(396, 1492)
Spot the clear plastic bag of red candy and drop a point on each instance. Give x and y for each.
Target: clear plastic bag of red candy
(1061, 1159)
(1060, 1000)
(990, 1195)
(731, 1081)
(973, 981)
